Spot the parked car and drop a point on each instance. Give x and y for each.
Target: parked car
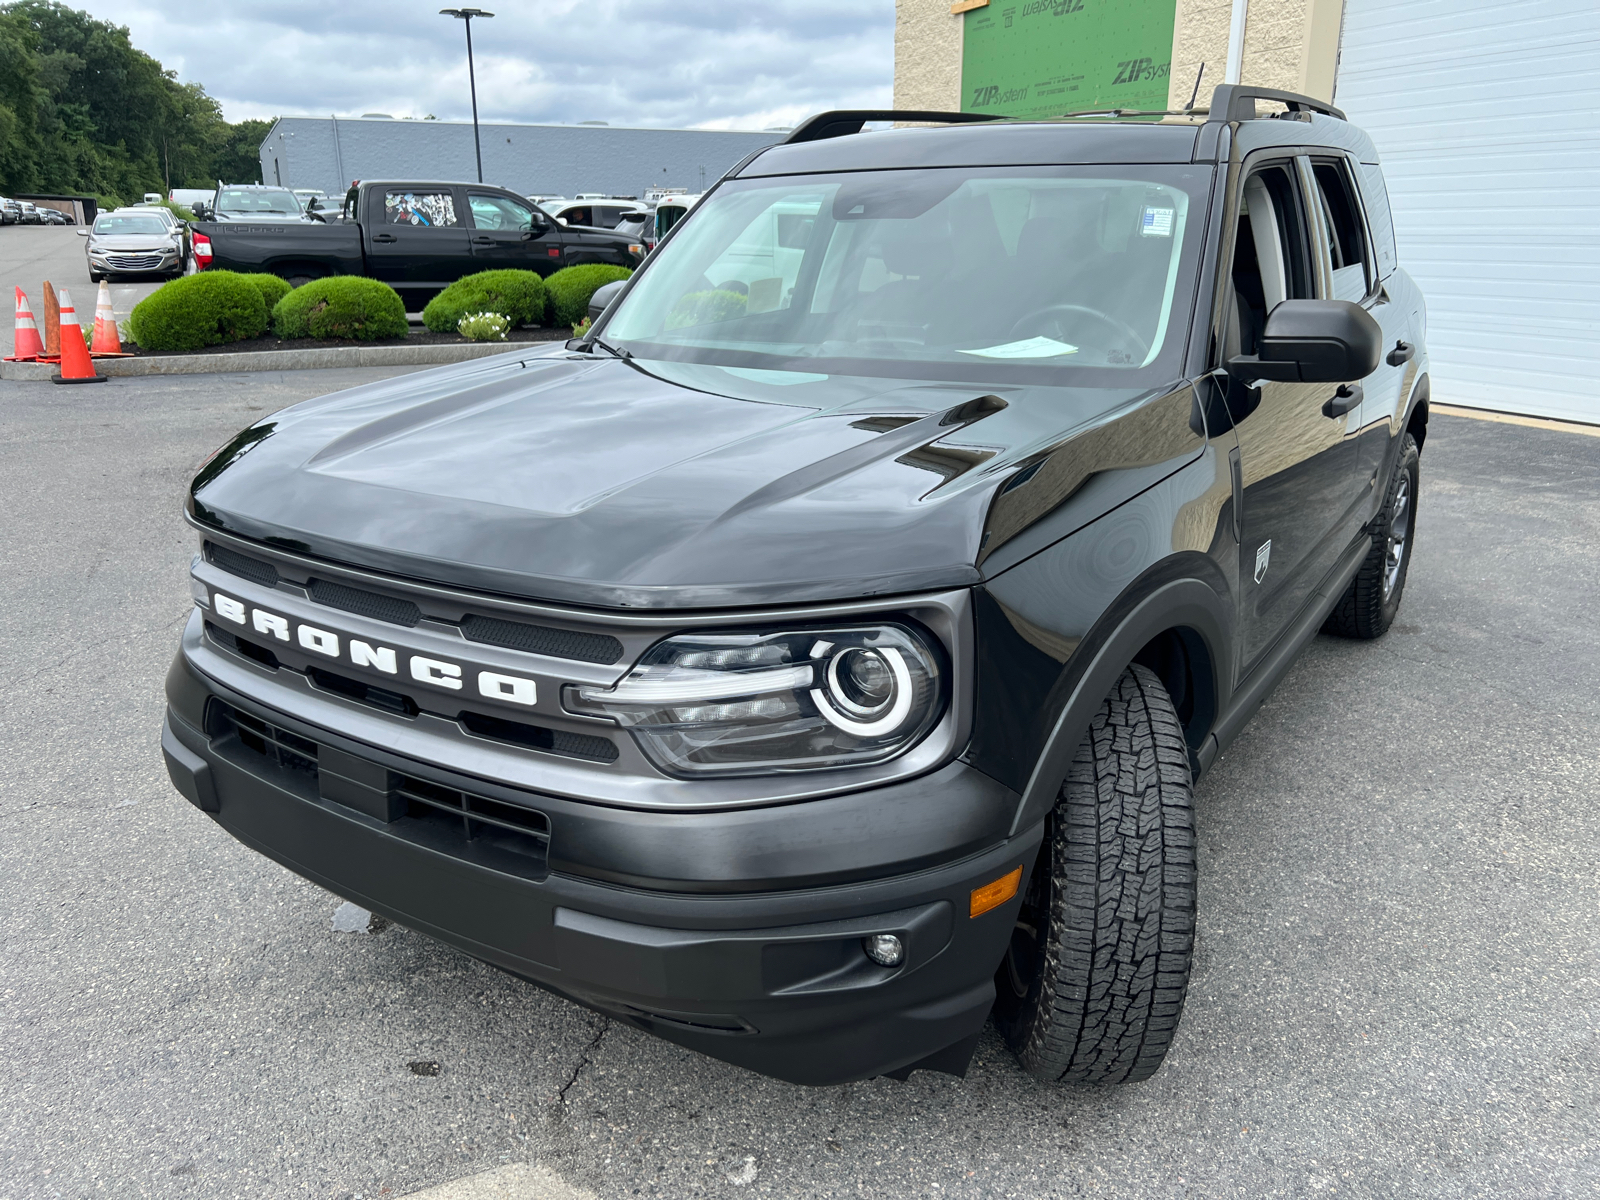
(179, 227)
(133, 241)
(417, 237)
(306, 195)
(593, 214)
(30, 213)
(806, 673)
(251, 202)
(54, 216)
(10, 211)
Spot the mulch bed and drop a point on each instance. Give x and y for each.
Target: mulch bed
(418, 337)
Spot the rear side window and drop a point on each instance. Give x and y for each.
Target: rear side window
(423, 209)
(1376, 197)
(1341, 220)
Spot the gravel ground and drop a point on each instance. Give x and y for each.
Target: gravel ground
(1397, 994)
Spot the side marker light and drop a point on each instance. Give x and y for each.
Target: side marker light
(993, 895)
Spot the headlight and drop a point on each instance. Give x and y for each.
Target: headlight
(756, 703)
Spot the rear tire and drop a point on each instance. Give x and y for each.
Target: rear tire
(298, 281)
(1093, 984)
(1371, 602)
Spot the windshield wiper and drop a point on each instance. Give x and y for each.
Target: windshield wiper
(614, 351)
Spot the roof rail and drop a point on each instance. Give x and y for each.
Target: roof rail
(850, 120)
(1237, 102)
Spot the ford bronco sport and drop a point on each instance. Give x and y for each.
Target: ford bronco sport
(818, 656)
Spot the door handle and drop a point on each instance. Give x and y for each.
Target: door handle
(483, 241)
(1342, 401)
(1403, 352)
(384, 237)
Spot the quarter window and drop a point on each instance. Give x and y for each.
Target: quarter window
(425, 210)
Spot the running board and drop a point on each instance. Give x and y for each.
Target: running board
(1253, 691)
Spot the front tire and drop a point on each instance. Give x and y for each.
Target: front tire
(1372, 601)
(1093, 984)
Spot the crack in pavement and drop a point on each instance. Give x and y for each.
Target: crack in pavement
(583, 1060)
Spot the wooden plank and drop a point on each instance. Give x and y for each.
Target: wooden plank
(962, 6)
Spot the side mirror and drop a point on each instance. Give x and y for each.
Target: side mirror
(83, 233)
(603, 296)
(1314, 341)
(561, 221)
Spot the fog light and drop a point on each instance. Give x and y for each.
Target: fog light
(884, 949)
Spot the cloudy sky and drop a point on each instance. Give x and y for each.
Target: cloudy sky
(720, 64)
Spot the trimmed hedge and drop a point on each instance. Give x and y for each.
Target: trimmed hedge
(272, 288)
(571, 288)
(207, 309)
(341, 306)
(519, 296)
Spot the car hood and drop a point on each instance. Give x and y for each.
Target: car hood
(147, 242)
(563, 477)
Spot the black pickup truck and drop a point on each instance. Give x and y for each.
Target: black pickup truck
(416, 237)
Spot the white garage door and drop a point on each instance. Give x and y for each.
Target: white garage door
(1487, 117)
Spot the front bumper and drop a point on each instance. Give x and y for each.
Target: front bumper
(773, 979)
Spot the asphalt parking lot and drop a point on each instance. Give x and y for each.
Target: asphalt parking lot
(1398, 985)
(30, 254)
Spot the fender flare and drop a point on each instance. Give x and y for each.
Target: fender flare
(1168, 596)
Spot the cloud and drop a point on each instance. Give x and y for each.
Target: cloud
(675, 63)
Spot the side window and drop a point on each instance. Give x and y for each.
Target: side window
(580, 215)
(1347, 249)
(435, 210)
(499, 212)
(1271, 256)
(1376, 196)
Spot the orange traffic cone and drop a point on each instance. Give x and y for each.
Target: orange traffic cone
(75, 364)
(27, 345)
(106, 344)
(52, 325)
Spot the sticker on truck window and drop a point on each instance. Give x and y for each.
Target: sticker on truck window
(423, 209)
(1156, 222)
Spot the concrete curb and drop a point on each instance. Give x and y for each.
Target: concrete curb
(280, 360)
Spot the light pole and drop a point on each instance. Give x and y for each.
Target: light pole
(466, 14)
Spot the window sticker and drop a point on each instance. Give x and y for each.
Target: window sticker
(425, 209)
(1036, 347)
(1156, 222)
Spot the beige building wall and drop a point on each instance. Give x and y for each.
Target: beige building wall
(1289, 44)
(1292, 45)
(927, 56)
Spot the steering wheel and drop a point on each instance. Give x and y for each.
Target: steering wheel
(1052, 320)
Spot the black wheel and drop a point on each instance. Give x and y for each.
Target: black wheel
(95, 277)
(296, 281)
(1369, 604)
(1092, 986)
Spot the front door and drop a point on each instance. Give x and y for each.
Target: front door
(418, 238)
(511, 233)
(1298, 465)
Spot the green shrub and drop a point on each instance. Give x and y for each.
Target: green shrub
(199, 310)
(484, 327)
(571, 288)
(516, 295)
(702, 308)
(272, 288)
(341, 306)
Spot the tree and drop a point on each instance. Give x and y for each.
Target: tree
(83, 110)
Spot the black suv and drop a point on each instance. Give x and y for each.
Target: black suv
(819, 655)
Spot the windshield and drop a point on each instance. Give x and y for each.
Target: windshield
(947, 274)
(123, 223)
(257, 200)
